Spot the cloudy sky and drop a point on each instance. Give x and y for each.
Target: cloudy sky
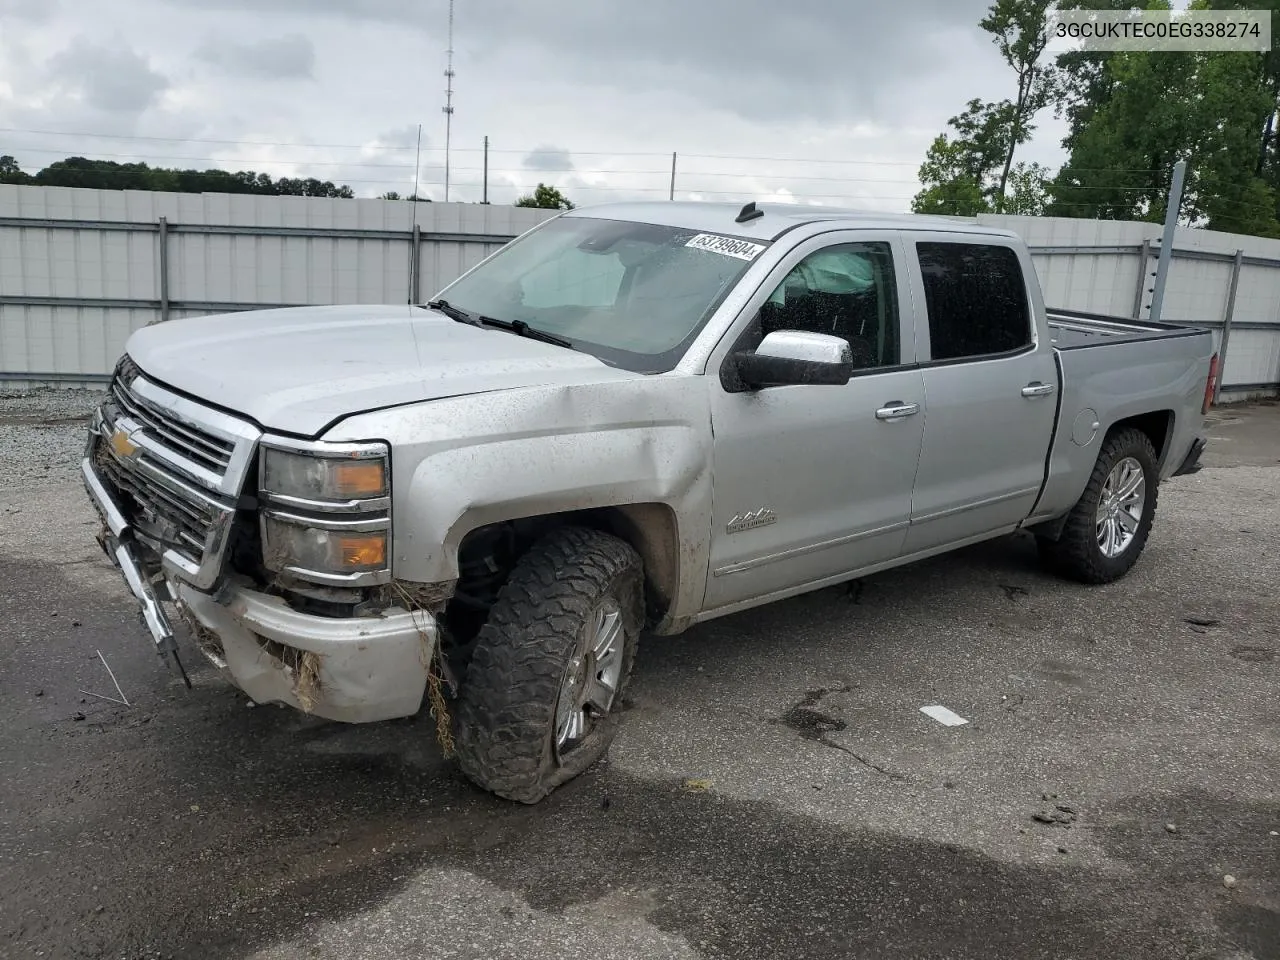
(816, 100)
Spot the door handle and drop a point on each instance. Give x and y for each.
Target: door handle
(897, 410)
(1037, 389)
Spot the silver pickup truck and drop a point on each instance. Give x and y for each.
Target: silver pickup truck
(634, 417)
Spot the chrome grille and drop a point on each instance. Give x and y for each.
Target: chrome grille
(171, 519)
(187, 439)
(175, 468)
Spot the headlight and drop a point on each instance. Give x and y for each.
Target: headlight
(339, 551)
(326, 511)
(354, 473)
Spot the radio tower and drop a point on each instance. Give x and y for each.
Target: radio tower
(448, 104)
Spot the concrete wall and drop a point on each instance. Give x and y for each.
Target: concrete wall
(81, 269)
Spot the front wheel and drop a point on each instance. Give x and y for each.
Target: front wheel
(1108, 527)
(540, 701)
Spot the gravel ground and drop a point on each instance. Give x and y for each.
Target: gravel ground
(774, 791)
(42, 433)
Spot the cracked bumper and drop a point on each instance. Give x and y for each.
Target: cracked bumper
(371, 668)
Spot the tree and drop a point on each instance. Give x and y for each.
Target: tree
(1134, 114)
(10, 172)
(957, 173)
(968, 172)
(109, 175)
(547, 198)
(1028, 190)
(1020, 30)
(951, 187)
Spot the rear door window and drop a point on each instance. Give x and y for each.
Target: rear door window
(977, 300)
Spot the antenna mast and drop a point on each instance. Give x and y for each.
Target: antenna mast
(448, 104)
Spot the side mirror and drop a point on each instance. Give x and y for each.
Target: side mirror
(793, 357)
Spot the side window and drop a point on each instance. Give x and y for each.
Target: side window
(847, 291)
(976, 297)
(574, 279)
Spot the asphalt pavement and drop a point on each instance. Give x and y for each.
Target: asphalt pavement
(775, 790)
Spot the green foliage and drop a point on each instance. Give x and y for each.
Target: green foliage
(10, 172)
(1020, 29)
(970, 171)
(546, 198)
(952, 187)
(109, 175)
(1130, 117)
(1028, 193)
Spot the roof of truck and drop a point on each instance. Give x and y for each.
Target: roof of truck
(777, 218)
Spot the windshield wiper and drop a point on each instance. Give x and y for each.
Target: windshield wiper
(520, 328)
(450, 311)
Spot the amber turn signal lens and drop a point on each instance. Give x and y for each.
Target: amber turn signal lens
(363, 550)
(359, 478)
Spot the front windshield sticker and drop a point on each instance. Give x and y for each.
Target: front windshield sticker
(742, 249)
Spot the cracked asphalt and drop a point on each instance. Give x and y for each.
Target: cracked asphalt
(775, 790)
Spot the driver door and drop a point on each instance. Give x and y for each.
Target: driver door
(813, 482)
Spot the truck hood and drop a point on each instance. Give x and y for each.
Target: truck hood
(299, 369)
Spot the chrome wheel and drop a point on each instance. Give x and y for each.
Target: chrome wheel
(591, 678)
(1124, 494)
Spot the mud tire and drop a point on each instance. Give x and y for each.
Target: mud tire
(505, 720)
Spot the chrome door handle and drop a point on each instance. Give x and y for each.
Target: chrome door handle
(1037, 389)
(896, 411)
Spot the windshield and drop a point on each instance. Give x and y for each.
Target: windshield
(633, 294)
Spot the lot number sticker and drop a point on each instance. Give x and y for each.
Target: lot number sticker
(729, 247)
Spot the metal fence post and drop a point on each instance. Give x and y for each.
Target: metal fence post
(1142, 279)
(1226, 322)
(1166, 239)
(164, 269)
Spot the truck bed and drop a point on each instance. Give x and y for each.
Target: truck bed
(1074, 329)
(1112, 369)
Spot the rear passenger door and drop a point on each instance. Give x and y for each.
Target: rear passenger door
(990, 391)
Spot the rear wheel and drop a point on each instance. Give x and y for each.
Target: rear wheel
(539, 704)
(1108, 527)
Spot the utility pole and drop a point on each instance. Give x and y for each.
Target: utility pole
(448, 104)
(672, 194)
(485, 198)
(1166, 240)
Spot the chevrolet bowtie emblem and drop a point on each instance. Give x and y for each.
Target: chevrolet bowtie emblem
(122, 444)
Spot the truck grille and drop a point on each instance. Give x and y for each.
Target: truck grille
(187, 439)
(173, 520)
(175, 468)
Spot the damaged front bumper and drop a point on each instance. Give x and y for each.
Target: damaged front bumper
(119, 546)
(356, 669)
(353, 669)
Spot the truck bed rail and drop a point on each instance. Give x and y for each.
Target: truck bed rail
(1076, 329)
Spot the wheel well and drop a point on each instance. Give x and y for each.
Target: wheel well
(1157, 426)
(487, 554)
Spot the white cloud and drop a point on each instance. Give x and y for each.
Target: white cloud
(829, 102)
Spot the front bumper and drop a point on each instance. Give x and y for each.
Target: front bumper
(366, 668)
(369, 668)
